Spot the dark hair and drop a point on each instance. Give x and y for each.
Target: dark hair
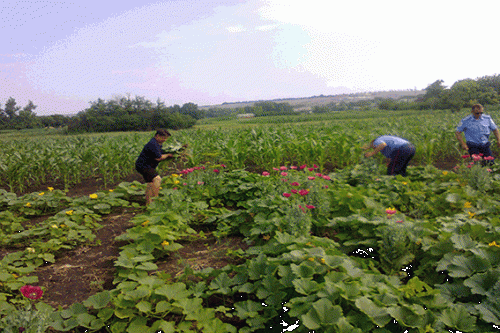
(162, 132)
(477, 106)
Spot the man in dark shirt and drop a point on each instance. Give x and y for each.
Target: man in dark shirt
(148, 160)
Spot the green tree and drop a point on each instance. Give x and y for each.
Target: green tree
(434, 90)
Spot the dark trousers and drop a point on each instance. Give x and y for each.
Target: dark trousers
(475, 148)
(400, 159)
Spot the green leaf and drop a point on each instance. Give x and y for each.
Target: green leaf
(463, 242)
(175, 291)
(378, 315)
(222, 284)
(305, 286)
(138, 325)
(248, 309)
(322, 314)
(303, 270)
(144, 306)
(457, 317)
(99, 300)
(482, 282)
(164, 326)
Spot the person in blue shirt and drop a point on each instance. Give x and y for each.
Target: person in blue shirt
(151, 155)
(399, 152)
(477, 128)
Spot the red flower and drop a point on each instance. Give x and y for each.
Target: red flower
(286, 195)
(294, 191)
(310, 169)
(295, 184)
(222, 165)
(303, 210)
(315, 166)
(293, 167)
(265, 173)
(489, 158)
(303, 167)
(465, 156)
(476, 157)
(31, 292)
(303, 192)
(310, 207)
(216, 170)
(311, 178)
(325, 177)
(284, 174)
(283, 168)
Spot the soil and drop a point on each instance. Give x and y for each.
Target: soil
(87, 269)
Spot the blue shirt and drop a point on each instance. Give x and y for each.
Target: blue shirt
(393, 143)
(148, 156)
(477, 130)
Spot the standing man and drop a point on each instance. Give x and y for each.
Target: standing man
(477, 128)
(399, 152)
(148, 160)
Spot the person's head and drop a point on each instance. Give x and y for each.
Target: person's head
(162, 135)
(477, 110)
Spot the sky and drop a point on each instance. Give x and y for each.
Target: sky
(62, 55)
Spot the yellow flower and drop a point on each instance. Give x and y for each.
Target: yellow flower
(54, 226)
(471, 214)
(174, 175)
(266, 237)
(176, 182)
(404, 183)
(15, 276)
(50, 189)
(93, 196)
(111, 190)
(28, 204)
(145, 223)
(323, 260)
(308, 243)
(310, 259)
(41, 193)
(69, 212)
(165, 243)
(63, 226)
(30, 250)
(494, 244)
(445, 173)
(467, 204)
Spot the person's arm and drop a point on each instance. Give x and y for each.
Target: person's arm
(376, 149)
(496, 132)
(458, 135)
(164, 157)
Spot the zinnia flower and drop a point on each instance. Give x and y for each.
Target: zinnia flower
(283, 168)
(311, 178)
(294, 191)
(303, 192)
(465, 156)
(295, 184)
(286, 195)
(31, 292)
(303, 167)
(310, 207)
(476, 157)
(489, 158)
(284, 174)
(265, 173)
(93, 196)
(391, 211)
(325, 177)
(216, 170)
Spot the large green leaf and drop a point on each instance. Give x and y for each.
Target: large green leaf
(379, 315)
(459, 318)
(322, 314)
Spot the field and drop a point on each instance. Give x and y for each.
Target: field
(259, 227)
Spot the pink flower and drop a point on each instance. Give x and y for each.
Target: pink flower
(489, 158)
(222, 165)
(201, 183)
(31, 292)
(283, 168)
(294, 191)
(310, 169)
(391, 211)
(265, 173)
(303, 192)
(476, 157)
(284, 174)
(310, 207)
(190, 169)
(216, 170)
(489, 170)
(293, 167)
(311, 178)
(295, 184)
(184, 184)
(326, 186)
(276, 169)
(465, 156)
(303, 166)
(315, 166)
(325, 177)
(284, 180)
(286, 195)
(175, 188)
(319, 174)
(470, 166)
(399, 221)
(303, 210)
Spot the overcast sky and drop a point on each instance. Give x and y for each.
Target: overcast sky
(64, 54)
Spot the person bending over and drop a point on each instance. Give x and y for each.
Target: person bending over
(399, 152)
(149, 158)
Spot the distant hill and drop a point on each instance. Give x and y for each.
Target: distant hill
(307, 103)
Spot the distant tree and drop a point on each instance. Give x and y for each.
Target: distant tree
(492, 81)
(434, 90)
(27, 118)
(11, 109)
